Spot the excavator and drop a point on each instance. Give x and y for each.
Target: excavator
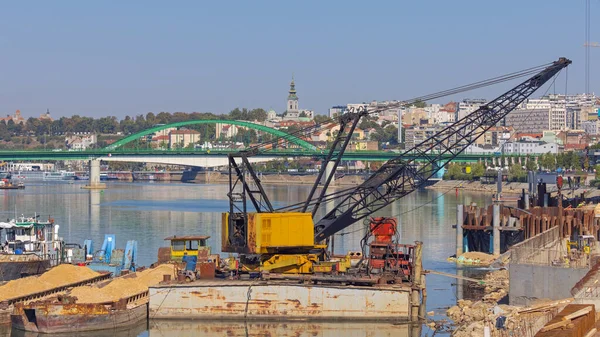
(291, 240)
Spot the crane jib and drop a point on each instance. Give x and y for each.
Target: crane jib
(400, 176)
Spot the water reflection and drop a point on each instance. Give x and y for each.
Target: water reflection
(161, 328)
(133, 331)
(150, 212)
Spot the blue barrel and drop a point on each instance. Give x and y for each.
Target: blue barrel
(190, 262)
(18, 251)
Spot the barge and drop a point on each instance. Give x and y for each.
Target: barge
(8, 302)
(279, 300)
(120, 303)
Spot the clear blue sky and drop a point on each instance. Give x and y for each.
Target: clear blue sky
(120, 58)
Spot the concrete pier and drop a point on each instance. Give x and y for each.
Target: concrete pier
(328, 171)
(95, 176)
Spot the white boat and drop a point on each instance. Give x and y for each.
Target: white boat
(60, 175)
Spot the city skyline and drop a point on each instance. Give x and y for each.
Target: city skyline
(212, 58)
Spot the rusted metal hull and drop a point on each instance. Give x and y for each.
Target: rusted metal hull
(270, 300)
(187, 328)
(5, 315)
(13, 270)
(63, 318)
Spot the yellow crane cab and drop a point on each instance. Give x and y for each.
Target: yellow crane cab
(188, 245)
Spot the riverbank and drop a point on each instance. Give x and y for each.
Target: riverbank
(477, 186)
(508, 188)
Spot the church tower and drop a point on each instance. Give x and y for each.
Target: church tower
(292, 101)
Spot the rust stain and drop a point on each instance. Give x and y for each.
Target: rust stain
(296, 303)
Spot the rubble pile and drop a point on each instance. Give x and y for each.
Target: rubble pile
(496, 285)
(471, 318)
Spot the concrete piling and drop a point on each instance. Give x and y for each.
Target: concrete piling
(459, 230)
(496, 230)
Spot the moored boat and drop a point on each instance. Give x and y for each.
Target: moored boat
(28, 247)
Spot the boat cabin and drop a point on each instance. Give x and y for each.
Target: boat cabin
(189, 245)
(28, 235)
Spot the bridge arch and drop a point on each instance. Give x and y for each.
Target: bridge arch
(278, 133)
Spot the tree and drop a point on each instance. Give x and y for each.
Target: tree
(454, 171)
(530, 164)
(516, 173)
(419, 104)
(322, 119)
(574, 162)
(478, 170)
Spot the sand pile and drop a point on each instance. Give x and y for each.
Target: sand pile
(19, 258)
(58, 276)
(479, 256)
(122, 287)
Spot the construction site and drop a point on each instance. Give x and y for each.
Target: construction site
(278, 263)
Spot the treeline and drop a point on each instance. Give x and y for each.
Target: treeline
(112, 125)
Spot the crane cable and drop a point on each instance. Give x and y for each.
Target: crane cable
(449, 189)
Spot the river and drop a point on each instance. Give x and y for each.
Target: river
(149, 212)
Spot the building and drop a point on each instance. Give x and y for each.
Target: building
(80, 142)
(160, 142)
(336, 111)
(179, 139)
(46, 116)
(17, 118)
(293, 111)
(416, 134)
(469, 105)
(226, 130)
(529, 120)
(530, 147)
(591, 127)
(415, 116)
(494, 136)
(271, 115)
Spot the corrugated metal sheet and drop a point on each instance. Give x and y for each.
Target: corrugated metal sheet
(214, 300)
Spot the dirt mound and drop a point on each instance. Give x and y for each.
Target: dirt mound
(58, 276)
(122, 287)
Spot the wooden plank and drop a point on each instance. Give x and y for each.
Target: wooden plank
(547, 305)
(578, 313)
(556, 325)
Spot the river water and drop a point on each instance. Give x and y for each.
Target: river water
(149, 212)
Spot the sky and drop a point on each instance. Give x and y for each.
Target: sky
(117, 58)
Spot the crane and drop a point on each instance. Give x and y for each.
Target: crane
(288, 239)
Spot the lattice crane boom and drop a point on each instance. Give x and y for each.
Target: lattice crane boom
(399, 177)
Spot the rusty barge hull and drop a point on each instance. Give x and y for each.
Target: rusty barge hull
(274, 301)
(64, 318)
(7, 306)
